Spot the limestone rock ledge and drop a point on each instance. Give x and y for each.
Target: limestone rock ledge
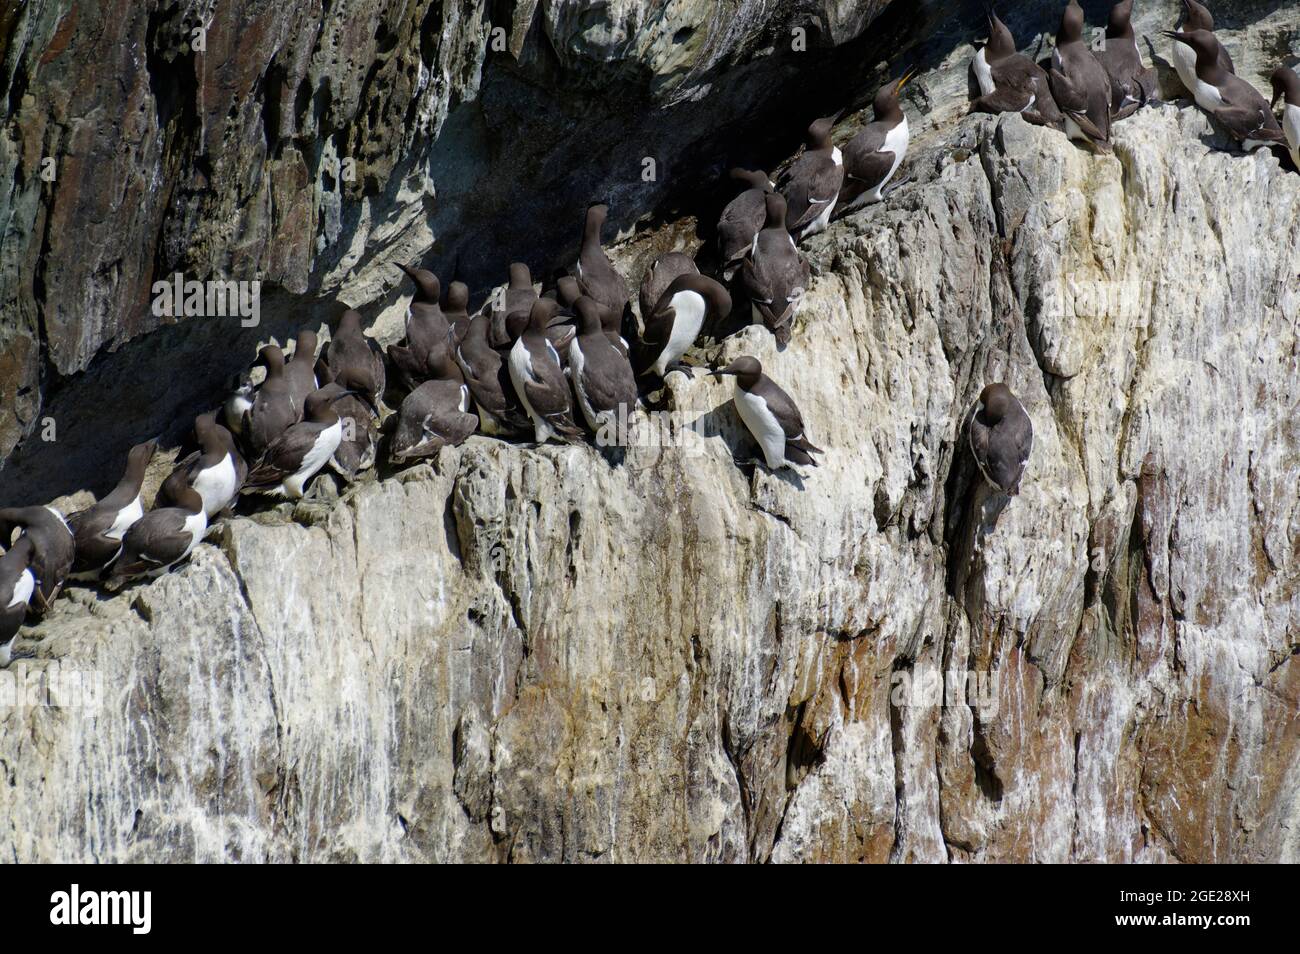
(535, 655)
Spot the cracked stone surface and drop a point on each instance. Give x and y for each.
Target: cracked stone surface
(537, 655)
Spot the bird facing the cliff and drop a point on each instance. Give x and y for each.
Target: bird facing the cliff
(1080, 84)
(770, 415)
(774, 275)
(1001, 437)
(742, 219)
(596, 276)
(1132, 83)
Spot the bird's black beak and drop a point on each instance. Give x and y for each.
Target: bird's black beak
(720, 372)
(1171, 33)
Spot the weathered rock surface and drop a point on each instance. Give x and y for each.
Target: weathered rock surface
(537, 655)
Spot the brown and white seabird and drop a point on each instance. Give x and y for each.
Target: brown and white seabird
(874, 155)
(770, 415)
(812, 184)
(17, 586)
(53, 545)
(602, 376)
(775, 276)
(1001, 438)
(1133, 84)
(677, 319)
(159, 540)
(1235, 103)
(1080, 84)
(216, 470)
(295, 456)
(1010, 81)
(98, 530)
(741, 219)
(539, 379)
(596, 276)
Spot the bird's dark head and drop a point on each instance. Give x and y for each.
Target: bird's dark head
(349, 322)
(1203, 42)
(1196, 17)
(1001, 43)
(457, 297)
(886, 102)
(542, 312)
(588, 310)
(427, 288)
(1286, 83)
(752, 178)
(995, 402)
(1071, 30)
(1120, 23)
(271, 358)
(520, 277)
(304, 348)
(568, 291)
(775, 203)
(745, 369)
(819, 133)
(320, 401)
(137, 459)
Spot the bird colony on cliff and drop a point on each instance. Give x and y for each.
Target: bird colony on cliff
(569, 360)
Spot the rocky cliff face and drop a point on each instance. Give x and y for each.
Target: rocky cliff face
(516, 654)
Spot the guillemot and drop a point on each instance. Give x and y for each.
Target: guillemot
(661, 273)
(770, 415)
(1001, 438)
(216, 470)
(427, 329)
(598, 278)
(54, 548)
(351, 353)
(294, 457)
(300, 369)
(1286, 87)
(435, 415)
(1010, 81)
(98, 530)
(159, 540)
(1080, 84)
(812, 184)
(1195, 17)
(677, 319)
(1235, 103)
(272, 412)
(1133, 84)
(487, 376)
(741, 219)
(539, 378)
(873, 156)
(17, 584)
(602, 376)
(774, 275)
